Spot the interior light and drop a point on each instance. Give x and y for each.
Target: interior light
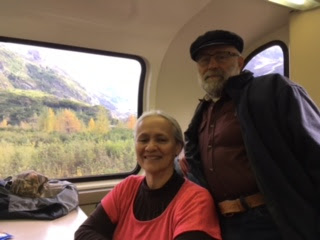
(298, 4)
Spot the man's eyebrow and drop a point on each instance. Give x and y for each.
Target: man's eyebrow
(217, 52)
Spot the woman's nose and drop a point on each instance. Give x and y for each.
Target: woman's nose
(151, 145)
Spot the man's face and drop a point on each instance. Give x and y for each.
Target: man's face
(216, 65)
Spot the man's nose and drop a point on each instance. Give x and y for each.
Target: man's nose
(212, 63)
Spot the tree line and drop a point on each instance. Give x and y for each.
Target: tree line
(58, 144)
(67, 121)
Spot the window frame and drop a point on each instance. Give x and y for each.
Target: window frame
(98, 52)
(267, 45)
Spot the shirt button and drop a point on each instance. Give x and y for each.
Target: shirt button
(209, 146)
(211, 125)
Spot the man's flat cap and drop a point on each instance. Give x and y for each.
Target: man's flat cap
(215, 37)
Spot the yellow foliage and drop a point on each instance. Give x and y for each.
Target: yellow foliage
(91, 125)
(132, 121)
(4, 123)
(67, 122)
(51, 121)
(102, 124)
(47, 120)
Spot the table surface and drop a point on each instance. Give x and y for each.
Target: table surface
(62, 228)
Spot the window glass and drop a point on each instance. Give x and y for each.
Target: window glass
(67, 112)
(270, 58)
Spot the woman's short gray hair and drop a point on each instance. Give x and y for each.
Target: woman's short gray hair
(177, 132)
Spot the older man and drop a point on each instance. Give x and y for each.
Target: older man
(254, 142)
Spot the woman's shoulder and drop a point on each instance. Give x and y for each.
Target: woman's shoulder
(132, 180)
(127, 187)
(190, 187)
(194, 185)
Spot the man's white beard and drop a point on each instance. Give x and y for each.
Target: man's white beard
(213, 87)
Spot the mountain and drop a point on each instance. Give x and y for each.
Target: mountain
(30, 73)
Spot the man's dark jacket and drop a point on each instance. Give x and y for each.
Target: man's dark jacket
(281, 130)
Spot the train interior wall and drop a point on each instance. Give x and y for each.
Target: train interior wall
(178, 91)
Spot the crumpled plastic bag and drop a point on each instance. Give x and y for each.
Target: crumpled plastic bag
(28, 184)
(31, 195)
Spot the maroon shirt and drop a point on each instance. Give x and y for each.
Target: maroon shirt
(223, 154)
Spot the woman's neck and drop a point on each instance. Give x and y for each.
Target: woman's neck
(158, 180)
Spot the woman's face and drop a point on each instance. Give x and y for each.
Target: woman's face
(155, 145)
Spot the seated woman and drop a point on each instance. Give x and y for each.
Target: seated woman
(161, 205)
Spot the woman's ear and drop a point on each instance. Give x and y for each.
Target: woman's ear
(178, 149)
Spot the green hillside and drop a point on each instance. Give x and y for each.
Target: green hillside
(19, 72)
(22, 105)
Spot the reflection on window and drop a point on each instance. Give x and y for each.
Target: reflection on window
(66, 113)
(268, 60)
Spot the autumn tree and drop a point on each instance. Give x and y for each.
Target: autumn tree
(68, 122)
(132, 121)
(47, 120)
(102, 124)
(4, 123)
(91, 125)
(51, 121)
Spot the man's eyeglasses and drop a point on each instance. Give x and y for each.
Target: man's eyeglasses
(219, 57)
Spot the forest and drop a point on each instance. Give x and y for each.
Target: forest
(60, 145)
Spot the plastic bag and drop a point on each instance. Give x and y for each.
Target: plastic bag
(34, 199)
(27, 184)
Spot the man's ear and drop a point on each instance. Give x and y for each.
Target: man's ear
(241, 62)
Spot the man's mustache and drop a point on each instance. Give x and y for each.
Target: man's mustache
(212, 73)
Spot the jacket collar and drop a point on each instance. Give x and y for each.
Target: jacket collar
(235, 86)
(239, 81)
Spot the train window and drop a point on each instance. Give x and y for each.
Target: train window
(269, 58)
(68, 112)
